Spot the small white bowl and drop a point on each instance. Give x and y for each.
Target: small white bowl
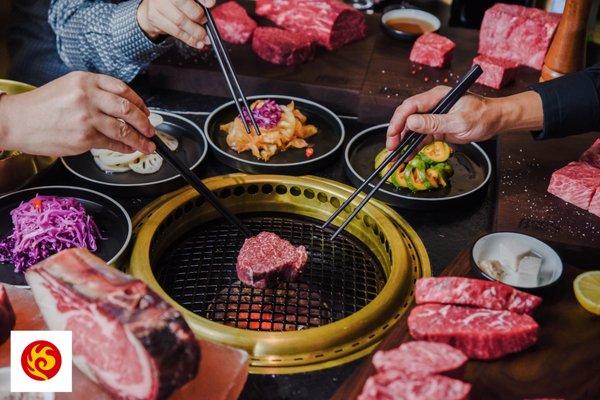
(488, 248)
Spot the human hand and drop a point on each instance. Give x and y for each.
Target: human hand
(74, 114)
(472, 119)
(182, 19)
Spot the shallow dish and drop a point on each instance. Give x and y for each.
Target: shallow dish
(112, 220)
(472, 172)
(488, 248)
(413, 15)
(326, 143)
(192, 150)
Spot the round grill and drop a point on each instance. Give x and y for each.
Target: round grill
(340, 277)
(349, 294)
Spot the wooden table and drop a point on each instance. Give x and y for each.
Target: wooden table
(368, 78)
(563, 364)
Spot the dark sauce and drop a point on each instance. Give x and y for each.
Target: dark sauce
(410, 25)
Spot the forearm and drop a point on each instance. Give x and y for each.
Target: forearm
(6, 142)
(101, 36)
(518, 113)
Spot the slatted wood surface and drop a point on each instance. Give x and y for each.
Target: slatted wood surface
(563, 364)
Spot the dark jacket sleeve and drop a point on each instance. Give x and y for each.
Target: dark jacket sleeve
(571, 104)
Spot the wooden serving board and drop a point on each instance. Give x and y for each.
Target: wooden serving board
(563, 364)
(524, 205)
(368, 78)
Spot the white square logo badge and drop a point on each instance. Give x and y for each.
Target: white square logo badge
(41, 361)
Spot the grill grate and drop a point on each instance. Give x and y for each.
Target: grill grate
(340, 278)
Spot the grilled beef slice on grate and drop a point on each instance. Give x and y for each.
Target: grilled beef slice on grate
(266, 258)
(125, 337)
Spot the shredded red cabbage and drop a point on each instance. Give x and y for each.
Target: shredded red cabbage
(267, 115)
(44, 226)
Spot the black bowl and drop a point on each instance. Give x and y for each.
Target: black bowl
(192, 150)
(409, 13)
(112, 220)
(472, 173)
(326, 143)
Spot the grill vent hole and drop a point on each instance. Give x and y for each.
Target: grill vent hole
(225, 193)
(280, 189)
(253, 189)
(368, 221)
(239, 190)
(309, 194)
(322, 197)
(335, 202)
(266, 189)
(295, 191)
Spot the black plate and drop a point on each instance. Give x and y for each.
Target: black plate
(472, 172)
(326, 143)
(192, 150)
(112, 220)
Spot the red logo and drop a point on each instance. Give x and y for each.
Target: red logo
(41, 360)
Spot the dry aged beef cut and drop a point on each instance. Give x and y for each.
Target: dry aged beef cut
(330, 23)
(516, 33)
(592, 155)
(497, 72)
(7, 316)
(266, 258)
(125, 337)
(417, 359)
(282, 47)
(233, 22)
(474, 292)
(387, 386)
(576, 183)
(594, 207)
(479, 333)
(433, 50)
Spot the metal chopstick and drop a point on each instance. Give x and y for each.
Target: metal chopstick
(404, 150)
(196, 183)
(228, 71)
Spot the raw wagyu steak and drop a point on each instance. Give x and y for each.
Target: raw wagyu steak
(330, 23)
(419, 359)
(592, 155)
(516, 33)
(386, 386)
(233, 22)
(478, 332)
(576, 183)
(125, 337)
(433, 50)
(497, 72)
(474, 292)
(282, 47)
(7, 316)
(266, 258)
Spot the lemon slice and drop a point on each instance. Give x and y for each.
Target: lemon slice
(587, 291)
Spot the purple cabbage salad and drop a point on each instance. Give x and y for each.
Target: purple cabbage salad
(267, 115)
(44, 226)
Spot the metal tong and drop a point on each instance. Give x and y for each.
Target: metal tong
(404, 150)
